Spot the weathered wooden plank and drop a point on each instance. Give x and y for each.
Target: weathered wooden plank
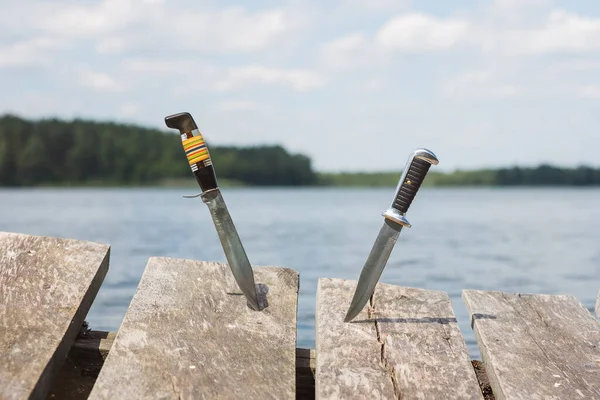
(47, 286)
(86, 358)
(407, 345)
(597, 308)
(536, 346)
(188, 333)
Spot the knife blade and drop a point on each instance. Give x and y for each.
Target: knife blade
(200, 162)
(410, 181)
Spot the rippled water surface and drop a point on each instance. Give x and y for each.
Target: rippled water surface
(514, 240)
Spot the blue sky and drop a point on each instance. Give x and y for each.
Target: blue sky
(355, 84)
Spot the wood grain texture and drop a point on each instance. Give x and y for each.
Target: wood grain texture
(423, 345)
(407, 345)
(536, 346)
(597, 307)
(189, 334)
(47, 286)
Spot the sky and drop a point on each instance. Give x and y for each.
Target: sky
(356, 85)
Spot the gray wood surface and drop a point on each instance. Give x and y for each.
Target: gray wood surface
(536, 346)
(189, 334)
(407, 345)
(47, 286)
(597, 307)
(86, 358)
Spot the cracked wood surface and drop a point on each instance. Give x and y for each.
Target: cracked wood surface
(189, 333)
(407, 345)
(47, 286)
(536, 346)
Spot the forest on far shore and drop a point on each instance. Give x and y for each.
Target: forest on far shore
(51, 151)
(542, 175)
(81, 152)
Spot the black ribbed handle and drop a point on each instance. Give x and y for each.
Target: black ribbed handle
(412, 178)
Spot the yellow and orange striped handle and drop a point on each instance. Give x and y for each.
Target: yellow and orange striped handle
(195, 149)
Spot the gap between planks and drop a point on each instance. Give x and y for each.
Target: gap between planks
(86, 358)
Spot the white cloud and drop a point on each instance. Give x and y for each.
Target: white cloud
(90, 20)
(479, 84)
(495, 34)
(576, 65)
(517, 4)
(562, 32)
(377, 5)
(187, 76)
(117, 26)
(590, 91)
(30, 52)
(236, 29)
(155, 66)
(297, 79)
(405, 33)
(514, 56)
(195, 30)
(347, 43)
(99, 81)
(130, 109)
(351, 51)
(420, 32)
(241, 105)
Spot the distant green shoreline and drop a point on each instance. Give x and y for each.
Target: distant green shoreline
(517, 177)
(80, 153)
(191, 183)
(540, 176)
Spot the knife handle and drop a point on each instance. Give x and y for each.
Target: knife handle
(412, 177)
(195, 149)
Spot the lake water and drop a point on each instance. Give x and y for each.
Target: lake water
(514, 240)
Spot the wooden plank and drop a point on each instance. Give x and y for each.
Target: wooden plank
(406, 345)
(86, 358)
(47, 286)
(597, 308)
(188, 333)
(536, 346)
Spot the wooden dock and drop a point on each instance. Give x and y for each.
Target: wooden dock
(189, 334)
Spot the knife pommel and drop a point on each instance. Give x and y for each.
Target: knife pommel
(195, 149)
(413, 176)
(182, 121)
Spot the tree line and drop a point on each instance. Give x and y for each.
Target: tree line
(52, 151)
(79, 152)
(542, 175)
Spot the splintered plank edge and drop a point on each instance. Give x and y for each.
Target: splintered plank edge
(536, 346)
(189, 333)
(406, 344)
(47, 286)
